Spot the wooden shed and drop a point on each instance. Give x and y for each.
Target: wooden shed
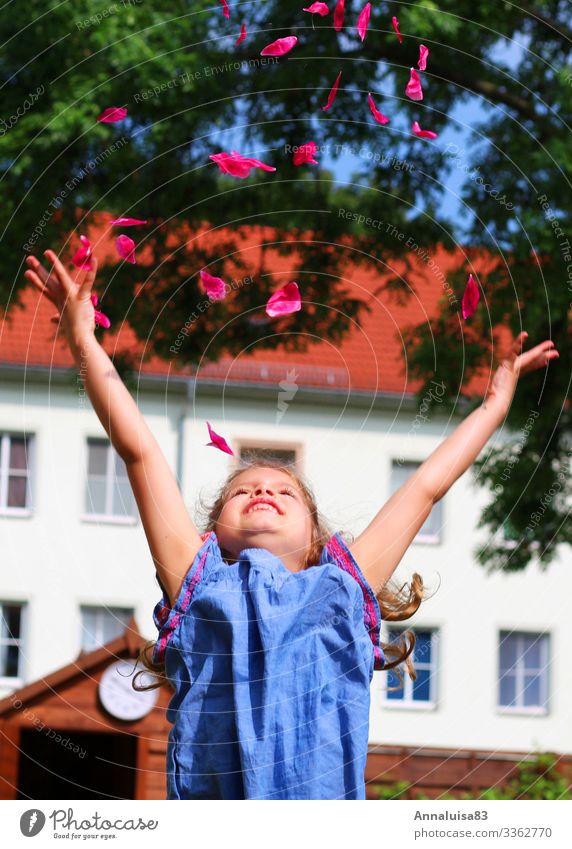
(58, 740)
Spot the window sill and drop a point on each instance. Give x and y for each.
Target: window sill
(393, 704)
(15, 513)
(427, 539)
(14, 683)
(522, 711)
(96, 518)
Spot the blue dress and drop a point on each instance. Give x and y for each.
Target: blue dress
(272, 673)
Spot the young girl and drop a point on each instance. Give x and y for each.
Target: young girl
(271, 635)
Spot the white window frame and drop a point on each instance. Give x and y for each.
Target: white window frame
(272, 445)
(105, 518)
(101, 612)
(17, 680)
(422, 538)
(5, 440)
(408, 702)
(519, 708)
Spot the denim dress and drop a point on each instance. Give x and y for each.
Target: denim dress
(272, 672)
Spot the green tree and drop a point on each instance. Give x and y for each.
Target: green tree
(190, 91)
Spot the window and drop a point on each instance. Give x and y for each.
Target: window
(422, 691)
(431, 529)
(523, 671)
(15, 490)
(10, 640)
(288, 455)
(100, 625)
(108, 493)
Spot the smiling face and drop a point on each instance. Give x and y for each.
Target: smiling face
(265, 508)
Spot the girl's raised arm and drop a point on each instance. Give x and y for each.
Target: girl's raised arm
(172, 537)
(379, 549)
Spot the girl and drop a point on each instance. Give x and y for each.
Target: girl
(271, 635)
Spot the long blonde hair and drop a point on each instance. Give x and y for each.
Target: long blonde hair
(396, 602)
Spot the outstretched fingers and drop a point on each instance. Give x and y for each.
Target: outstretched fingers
(60, 271)
(34, 277)
(89, 279)
(539, 356)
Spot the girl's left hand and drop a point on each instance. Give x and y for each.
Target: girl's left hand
(517, 364)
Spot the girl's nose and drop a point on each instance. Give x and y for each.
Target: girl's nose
(260, 490)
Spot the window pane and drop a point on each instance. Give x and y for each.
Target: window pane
(114, 622)
(401, 472)
(123, 500)
(508, 652)
(97, 458)
(120, 467)
(17, 491)
(9, 656)
(532, 690)
(393, 681)
(11, 614)
(18, 454)
(531, 656)
(95, 496)
(421, 686)
(508, 691)
(422, 650)
(286, 455)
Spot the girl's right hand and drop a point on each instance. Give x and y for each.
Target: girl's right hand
(70, 295)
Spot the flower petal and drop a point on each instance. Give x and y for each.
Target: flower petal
(333, 92)
(423, 54)
(229, 165)
(470, 298)
(305, 153)
(318, 9)
(379, 117)
(363, 20)
(219, 441)
(100, 318)
(285, 301)
(225, 9)
(242, 35)
(423, 134)
(339, 15)
(214, 286)
(125, 248)
(112, 114)
(280, 46)
(252, 163)
(395, 23)
(413, 88)
(128, 222)
(82, 257)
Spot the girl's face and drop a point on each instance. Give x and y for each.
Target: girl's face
(266, 509)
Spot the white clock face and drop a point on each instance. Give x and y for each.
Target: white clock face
(118, 696)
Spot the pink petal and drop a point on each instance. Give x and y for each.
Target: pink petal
(128, 222)
(100, 318)
(305, 153)
(423, 134)
(112, 114)
(280, 46)
(252, 163)
(395, 23)
(225, 9)
(229, 165)
(318, 9)
(219, 441)
(82, 257)
(242, 35)
(339, 15)
(125, 248)
(381, 119)
(470, 298)
(214, 286)
(333, 92)
(413, 88)
(423, 54)
(363, 20)
(285, 301)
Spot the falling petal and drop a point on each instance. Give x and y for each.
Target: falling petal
(318, 9)
(413, 88)
(225, 9)
(423, 54)
(305, 153)
(112, 114)
(229, 165)
(100, 318)
(339, 15)
(280, 46)
(333, 92)
(242, 35)
(128, 222)
(285, 301)
(219, 441)
(252, 163)
(395, 23)
(470, 298)
(423, 134)
(363, 20)
(82, 257)
(125, 248)
(214, 286)
(379, 117)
